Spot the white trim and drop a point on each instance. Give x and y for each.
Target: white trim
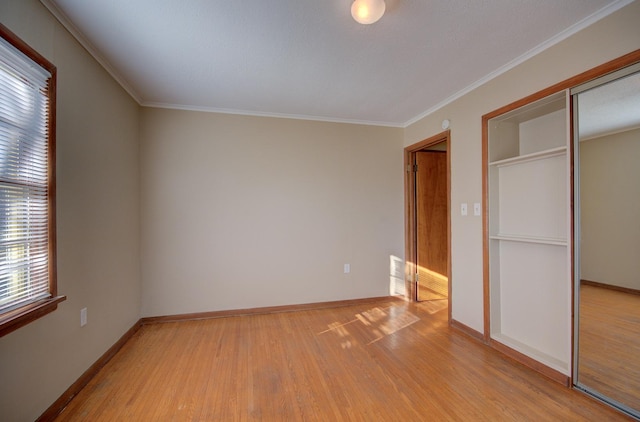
(608, 133)
(79, 36)
(267, 114)
(84, 42)
(573, 29)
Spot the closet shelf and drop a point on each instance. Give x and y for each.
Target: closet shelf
(531, 239)
(540, 155)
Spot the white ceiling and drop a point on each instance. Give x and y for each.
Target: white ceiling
(610, 108)
(309, 58)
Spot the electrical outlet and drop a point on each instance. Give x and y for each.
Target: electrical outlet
(83, 317)
(347, 268)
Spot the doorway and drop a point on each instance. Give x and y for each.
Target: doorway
(428, 221)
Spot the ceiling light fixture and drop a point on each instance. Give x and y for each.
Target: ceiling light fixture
(367, 11)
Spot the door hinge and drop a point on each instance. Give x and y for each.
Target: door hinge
(417, 277)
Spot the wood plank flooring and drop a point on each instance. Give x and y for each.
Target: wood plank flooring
(386, 361)
(610, 343)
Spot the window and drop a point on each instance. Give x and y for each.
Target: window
(27, 185)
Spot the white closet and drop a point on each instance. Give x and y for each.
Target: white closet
(529, 231)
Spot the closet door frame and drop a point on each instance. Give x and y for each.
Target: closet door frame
(597, 72)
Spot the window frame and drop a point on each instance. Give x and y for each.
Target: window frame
(15, 318)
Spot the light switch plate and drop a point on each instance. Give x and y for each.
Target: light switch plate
(463, 208)
(83, 317)
(476, 209)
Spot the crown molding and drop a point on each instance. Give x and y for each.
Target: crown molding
(273, 115)
(575, 28)
(93, 51)
(84, 42)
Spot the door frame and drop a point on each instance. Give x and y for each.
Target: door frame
(567, 84)
(410, 231)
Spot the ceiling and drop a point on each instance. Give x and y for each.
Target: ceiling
(610, 108)
(309, 58)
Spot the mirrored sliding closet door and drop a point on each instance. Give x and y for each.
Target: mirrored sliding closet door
(606, 147)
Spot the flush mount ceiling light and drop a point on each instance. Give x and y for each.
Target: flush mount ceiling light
(367, 11)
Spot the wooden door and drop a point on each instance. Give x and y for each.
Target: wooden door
(431, 215)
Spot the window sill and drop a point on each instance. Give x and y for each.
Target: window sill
(20, 317)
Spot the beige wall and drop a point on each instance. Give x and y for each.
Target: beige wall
(242, 212)
(605, 40)
(98, 224)
(610, 206)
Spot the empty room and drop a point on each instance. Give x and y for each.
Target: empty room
(319, 210)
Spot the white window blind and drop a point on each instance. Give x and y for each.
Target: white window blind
(24, 179)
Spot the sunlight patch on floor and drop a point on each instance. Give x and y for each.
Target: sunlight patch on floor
(371, 326)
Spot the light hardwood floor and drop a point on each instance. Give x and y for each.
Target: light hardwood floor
(383, 361)
(610, 343)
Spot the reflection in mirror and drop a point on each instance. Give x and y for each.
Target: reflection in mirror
(607, 228)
